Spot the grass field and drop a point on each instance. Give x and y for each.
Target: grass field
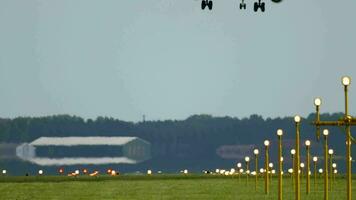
(155, 187)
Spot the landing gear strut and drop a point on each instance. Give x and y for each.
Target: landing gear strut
(242, 5)
(259, 4)
(208, 3)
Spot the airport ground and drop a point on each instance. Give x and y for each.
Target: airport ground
(158, 187)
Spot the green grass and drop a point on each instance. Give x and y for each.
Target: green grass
(155, 187)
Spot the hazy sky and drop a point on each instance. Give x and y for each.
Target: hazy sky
(168, 59)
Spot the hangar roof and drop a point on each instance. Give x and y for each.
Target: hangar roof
(71, 141)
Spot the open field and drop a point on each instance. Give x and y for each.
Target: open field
(155, 187)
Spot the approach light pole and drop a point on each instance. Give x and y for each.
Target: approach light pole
(326, 194)
(320, 172)
(239, 171)
(297, 120)
(292, 152)
(290, 170)
(347, 121)
(331, 152)
(266, 143)
(256, 152)
(270, 167)
(315, 160)
(307, 145)
(279, 134)
(334, 171)
(302, 169)
(247, 160)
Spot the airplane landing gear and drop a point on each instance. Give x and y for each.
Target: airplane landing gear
(242, 5)
(259, 4)
(208, 3)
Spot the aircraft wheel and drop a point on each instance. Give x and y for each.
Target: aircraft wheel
(263, 6)
(203, 4)
(240, 6)
(210, 5)
(245, 6)
(255, 6)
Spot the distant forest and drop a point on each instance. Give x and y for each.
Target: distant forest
(196, 138)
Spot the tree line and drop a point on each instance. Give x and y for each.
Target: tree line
(196, 136)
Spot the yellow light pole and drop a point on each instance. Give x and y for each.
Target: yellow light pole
(326, 194)
(346, 81)
(239, 170)
(247, 161)
(282, 172)
(317, 103)
(302, 165)
(321, 172)
(331, 152)
(291, 174)
(232, 172)
(307, 145)
(266, 143)
(292, 152)
(297, 120)
(279, 134)
(262, 172)
(334, 171)
(270, 167)
(315, 160)
(256, 152)
(346, 122)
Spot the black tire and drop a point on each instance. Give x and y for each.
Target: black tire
(210, 5)
(263, 6)
(245, 6)
(240, 6)
(203, 5)
(255, 7)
